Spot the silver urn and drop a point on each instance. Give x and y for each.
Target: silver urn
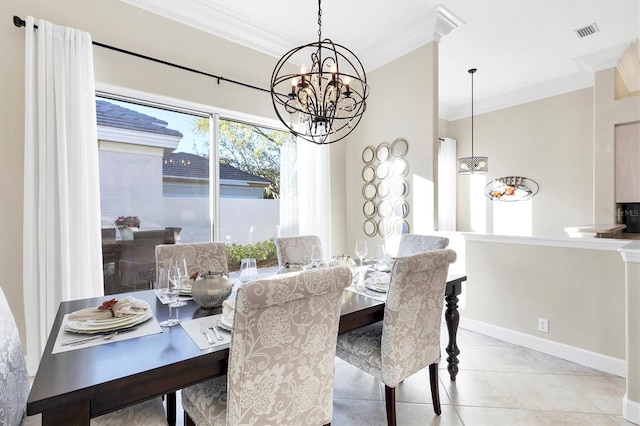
(210, 289)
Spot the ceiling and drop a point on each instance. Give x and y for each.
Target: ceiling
(523, 49)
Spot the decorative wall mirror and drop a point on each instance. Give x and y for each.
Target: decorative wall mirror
(385, 189)
(368, 154)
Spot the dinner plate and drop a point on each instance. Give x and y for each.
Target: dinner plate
(108, 324)
(224, 324)
(185, 290)
(382, 268)
(377, 286)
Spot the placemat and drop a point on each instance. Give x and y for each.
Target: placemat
(357, 285)
(361, 289)
(192, 327)
(67, 341)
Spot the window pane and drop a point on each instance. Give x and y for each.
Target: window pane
(257, 189)
(154, 167)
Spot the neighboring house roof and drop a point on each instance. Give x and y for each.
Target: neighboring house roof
(185, 165)
(112, 115)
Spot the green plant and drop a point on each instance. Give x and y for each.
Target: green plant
(264, 252)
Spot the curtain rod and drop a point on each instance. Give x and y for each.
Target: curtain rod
(19, 22)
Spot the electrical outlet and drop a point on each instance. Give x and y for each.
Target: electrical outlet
(543, 325)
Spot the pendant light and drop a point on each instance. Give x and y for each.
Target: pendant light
(328, 99)
(473, 164)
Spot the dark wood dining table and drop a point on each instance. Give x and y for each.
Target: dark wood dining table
(72, 387)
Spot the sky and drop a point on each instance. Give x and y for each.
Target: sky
(176, 121)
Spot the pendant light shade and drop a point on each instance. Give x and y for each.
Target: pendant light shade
(473, 164)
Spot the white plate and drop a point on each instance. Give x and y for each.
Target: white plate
(109, 324)
(224, 324)
(382, 268)
(380, 287)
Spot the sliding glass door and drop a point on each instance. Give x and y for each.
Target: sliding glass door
(173, 175)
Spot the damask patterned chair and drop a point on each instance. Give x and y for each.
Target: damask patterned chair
(14, 388)
(210, 256)
(408, 338)
(414, 244)
(281, 361)
(295, 250)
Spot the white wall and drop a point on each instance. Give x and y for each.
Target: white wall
(396, 109)
(549, 141)
(579, 286)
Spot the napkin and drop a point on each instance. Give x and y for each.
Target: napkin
(126, 306)
(228, 311)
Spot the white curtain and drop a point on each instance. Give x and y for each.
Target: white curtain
(314, 192)
(447, 185)
(61, 236)
(288, 190)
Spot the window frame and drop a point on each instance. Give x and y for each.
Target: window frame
(189, 107)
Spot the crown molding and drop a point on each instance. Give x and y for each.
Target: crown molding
(603, 59)
(629, 67)
(438, 22)
(266, 39)
(547, 89)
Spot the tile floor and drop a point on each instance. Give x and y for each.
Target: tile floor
(498, 384)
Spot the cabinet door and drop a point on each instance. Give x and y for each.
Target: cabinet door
(628, 163)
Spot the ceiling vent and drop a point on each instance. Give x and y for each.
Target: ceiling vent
(588, 30)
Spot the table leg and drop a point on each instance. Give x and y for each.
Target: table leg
(171, 409)
(452, 317)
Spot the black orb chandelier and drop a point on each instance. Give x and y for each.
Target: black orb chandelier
(324, 103)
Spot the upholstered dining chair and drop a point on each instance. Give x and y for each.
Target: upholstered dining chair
(14, 390)
(408, 338)
(281, 361)
(208, 256)
(295, 250)
(137, 263)
(414, 244)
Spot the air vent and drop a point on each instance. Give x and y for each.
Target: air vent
(588, 30)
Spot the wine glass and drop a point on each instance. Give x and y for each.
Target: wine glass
(316, 256)
(379, 256)
(168, 291)
(361, 250)
(176, 275)
(248, 270)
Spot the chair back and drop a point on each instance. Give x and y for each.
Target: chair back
(414, 244)
(281, 361)
(14, 390)
(209, 256)
(171, 234)
(295, 250)
(413, 314)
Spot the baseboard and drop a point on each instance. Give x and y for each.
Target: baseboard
(590, 359)
(630, 410)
